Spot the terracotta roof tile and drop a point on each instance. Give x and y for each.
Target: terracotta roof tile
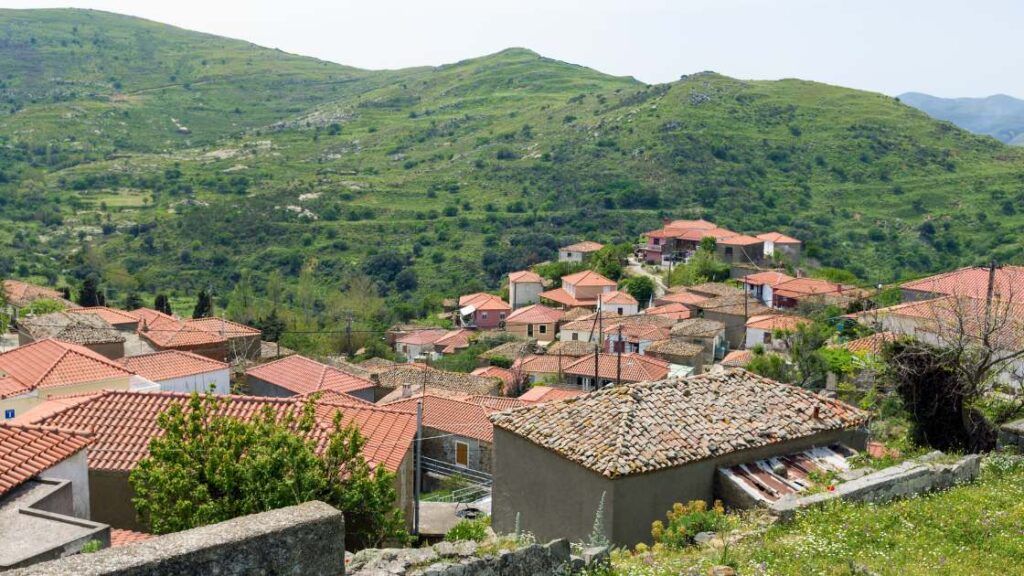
(483, 301)
(778, 238)
(112, 316)
(772, 322)
(681, 297)
(617, 297)
(223, 327)
(525, 276)
(122, 537)
(26, 451)
(737, 358)
(771, 278)
(459, 417)
(534, 314)
(52, 363)
(587, 278)
(740, 240)
(170, 364)
(168, 332)
(634, 367)
(302, 375)
(124, 422)
(699, 224)
(544, 363)
(802, 287)
(586, 246)
(673, 310)
(542, 394)
(871, 344)
(637, 428)
(973, 283)
(22, 293)
(504, 374)
(560, 296)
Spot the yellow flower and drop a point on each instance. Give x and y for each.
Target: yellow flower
(657, 529)
(641, 548)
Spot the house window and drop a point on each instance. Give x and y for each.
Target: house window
(543, 329)
(575, 336)
(767, 337)
(483, 315)
(656, 241)
(619, 310)
(728, 250)
(501, 315)
(462, 454)
(529, 329)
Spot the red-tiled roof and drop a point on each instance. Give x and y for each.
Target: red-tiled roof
(168, 332)
(169, 364)
(122, 537)
(778, 238)
(223, 327)
(771, 322)
(973, 283)
(587, 278)
(422, 336)
(801, 287)
(638, 332)
(617, 297)
(662, 233)
(699, 224)
(541, 394)
(22, 293)
(26, 451)
(673, 310)
(496, 403)
(560, 296)
(535, 314)
(951, 318)
(700, 234)
(483, 301)
(52, 363)
(496, 372)
(681, 297)
(459, 417)
(524, 276)
(634, 367)
(112, 316)
(453, 341)
(543, 364)
(737, 358)
(585, 246)
(740, 240)
(124, 422)
(302, 375)
(770, 278)
(871, 344)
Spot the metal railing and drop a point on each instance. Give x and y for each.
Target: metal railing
(447, 470)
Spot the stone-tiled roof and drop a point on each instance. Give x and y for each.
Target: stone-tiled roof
(170, 364)
(436, 381)
(712, 289)
(637, 428)
(510, 350)
(570, 348)
(585, 246)
(504, 374)
(543, 364)
(303, 375)
(124, 422)
(675, 347)
(733, 306)
(697, 328)
(672, 310)
(26, 451)
(84, 329)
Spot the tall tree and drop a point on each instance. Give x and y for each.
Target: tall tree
(204, 305)
(133, 301)
(163, 304)
(208, 467)
(89, 293)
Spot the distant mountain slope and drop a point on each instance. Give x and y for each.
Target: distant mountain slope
(460, 172)
(999, 116)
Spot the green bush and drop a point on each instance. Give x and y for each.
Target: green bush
(475, 530)
(686, 521)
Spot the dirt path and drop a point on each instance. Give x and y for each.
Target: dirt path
(635, 268)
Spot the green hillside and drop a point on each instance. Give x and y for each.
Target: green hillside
(462, 172)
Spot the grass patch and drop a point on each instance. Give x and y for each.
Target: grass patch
(971, 529)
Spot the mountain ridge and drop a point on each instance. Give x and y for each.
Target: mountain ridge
(236, 157)
(999, 115)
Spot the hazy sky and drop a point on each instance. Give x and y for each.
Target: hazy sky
(943, 47)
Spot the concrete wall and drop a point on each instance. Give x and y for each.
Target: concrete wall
(555, 498)
(258, 387)
(524, 293)
(308, 539)
(735, 327)
(75, 470)
(110, 500)
(220, 380)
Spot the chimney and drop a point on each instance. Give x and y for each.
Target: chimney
(406, 390)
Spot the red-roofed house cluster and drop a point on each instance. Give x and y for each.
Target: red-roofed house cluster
(677, 240)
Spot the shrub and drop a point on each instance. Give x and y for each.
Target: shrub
(686, 521)
(475, 530)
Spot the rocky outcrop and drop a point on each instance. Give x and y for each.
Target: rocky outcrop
(463, 559)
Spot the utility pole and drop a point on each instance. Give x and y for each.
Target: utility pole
(618, 363)
(597, 348)
(419, 466)
(989, 294)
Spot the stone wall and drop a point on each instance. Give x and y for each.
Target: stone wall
(308, 540)
(1011, 435)
(463, 559)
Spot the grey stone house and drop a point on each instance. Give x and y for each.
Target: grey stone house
(88, 330)
(646, 446)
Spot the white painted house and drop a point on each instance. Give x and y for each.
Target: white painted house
(578, 252)
(180, 371)
(524, 288)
